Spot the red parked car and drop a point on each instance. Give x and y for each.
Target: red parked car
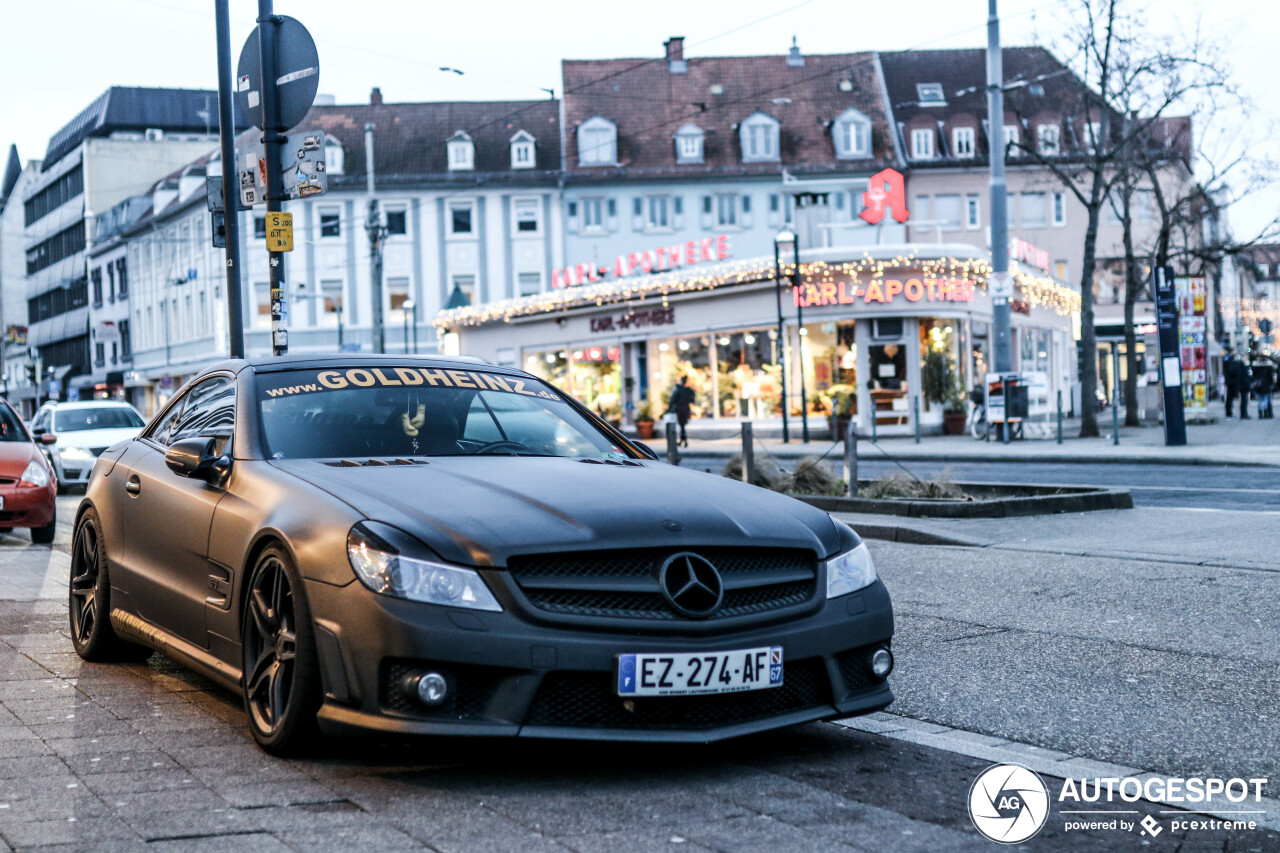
(28, 488)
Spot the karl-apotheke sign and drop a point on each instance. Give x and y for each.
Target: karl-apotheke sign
(659, 259)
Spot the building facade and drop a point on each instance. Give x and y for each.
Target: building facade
(115, 147)
(19, 370)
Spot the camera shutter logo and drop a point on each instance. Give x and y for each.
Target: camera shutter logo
(1008, 803)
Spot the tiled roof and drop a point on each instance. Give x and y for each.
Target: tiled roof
(409, 139)
(649, 103)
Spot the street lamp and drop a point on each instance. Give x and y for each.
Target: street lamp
(407, 306)
(784, 236)
(779, 242)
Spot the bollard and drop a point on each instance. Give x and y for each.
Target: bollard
(915, 415)
(1115, 394)
(1059, 417)
(673, 453)
(748, 454)
(1004, 423)
(851, 459)
(873, 422)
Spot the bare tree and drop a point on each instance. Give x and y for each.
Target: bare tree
(1127, 84)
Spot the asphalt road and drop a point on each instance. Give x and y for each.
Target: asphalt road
(1199, 486)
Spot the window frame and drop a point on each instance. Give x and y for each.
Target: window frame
(969, 135)
(762, 128)
(522, 142)
(925, 135)
(599, 154)
(456, 206)
(852, 135)
(588, 202)
(1059, 207)
(529, 203)
(460, 153)
(972, 212)
(1048, 140)
(727, 202)
(324, 212)
(653, 204)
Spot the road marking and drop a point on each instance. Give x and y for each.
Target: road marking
(1046, 762)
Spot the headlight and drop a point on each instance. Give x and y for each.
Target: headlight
(850, 571)
(74, 454)
(383, 570)
(35, 474)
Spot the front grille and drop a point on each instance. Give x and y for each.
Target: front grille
(855, 669)
(70, 473)
(589, 700)
(471, 689)
(624, 584)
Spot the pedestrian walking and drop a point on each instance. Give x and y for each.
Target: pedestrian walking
(1264, 381)
(680, 405)
(1235, 373)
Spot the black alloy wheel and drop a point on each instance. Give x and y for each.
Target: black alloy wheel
(281, 679)
(89, 598)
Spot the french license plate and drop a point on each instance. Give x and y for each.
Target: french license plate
(686, 674)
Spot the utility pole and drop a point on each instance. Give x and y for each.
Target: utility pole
(1000, 285)
(268, 26)
(373, 227)
(230, 192)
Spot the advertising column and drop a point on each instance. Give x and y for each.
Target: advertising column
(1191, 341)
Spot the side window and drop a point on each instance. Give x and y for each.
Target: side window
(210, 411)
(160, 432)
(41, 423)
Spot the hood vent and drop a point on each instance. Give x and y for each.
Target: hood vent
(374, 463)
(624, 463)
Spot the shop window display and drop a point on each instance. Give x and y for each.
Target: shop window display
(833, 363)
(749, 380)
(939, 362)
(671, 358)
(888, 383)
(551, 366)
(597, 380)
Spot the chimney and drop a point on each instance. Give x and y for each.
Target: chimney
(794, 57)
(375, 97)
(675, 55)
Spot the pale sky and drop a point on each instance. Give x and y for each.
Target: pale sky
(55, 58)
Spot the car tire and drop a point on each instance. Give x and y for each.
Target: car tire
(281, 674)
(44, 535)
(89, 597)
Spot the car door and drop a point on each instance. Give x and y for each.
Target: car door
(165, 518)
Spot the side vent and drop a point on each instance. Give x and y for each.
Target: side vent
(374, 463)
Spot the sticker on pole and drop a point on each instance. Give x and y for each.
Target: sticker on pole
(1000, 285)
(279, 231)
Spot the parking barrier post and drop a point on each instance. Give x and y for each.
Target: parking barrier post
(915, 414)
(1059, 417)
(673, 452)
(748, 453)
(851, 458)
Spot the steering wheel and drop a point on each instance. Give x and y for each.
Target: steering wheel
(504, 444)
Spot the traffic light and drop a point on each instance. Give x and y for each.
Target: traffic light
(32, 374)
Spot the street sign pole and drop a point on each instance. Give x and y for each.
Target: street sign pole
(268, 29)
(1175, 422)
(227, 131)
(1001, 286)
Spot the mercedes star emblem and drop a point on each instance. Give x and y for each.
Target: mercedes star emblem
(691, 584)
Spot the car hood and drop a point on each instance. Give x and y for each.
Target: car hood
(95, 437)
(14, 456)
(480, 511)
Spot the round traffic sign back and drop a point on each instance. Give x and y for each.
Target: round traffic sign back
(297, 73)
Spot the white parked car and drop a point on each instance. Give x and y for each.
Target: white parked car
(73, 434)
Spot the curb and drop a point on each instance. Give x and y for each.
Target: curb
(1060, 499)
(1046, 762)
(1056, 458)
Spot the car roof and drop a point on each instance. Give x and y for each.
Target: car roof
(270, 364)
(86, 404)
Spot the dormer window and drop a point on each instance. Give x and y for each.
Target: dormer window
(334, 156)
(922, 143)
(522, 151)
(962, 141)
(597, 142)
(1050, 139)
(759, 134)
(689, 142)
(852, 134)
(462, 152)
(930, 95)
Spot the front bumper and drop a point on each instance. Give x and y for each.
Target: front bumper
(28, 506)
(74, 471)
(511, 677)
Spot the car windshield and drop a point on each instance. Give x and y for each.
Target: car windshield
(101, 417)
(10, 429)
(416, 411)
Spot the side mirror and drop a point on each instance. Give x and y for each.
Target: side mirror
(47, 438)
(194, 457)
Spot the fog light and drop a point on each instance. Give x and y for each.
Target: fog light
(432, 688)
(881, 663)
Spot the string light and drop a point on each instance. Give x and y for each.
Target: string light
(1034, 288)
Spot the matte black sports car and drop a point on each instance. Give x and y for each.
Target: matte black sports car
(441, 546)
